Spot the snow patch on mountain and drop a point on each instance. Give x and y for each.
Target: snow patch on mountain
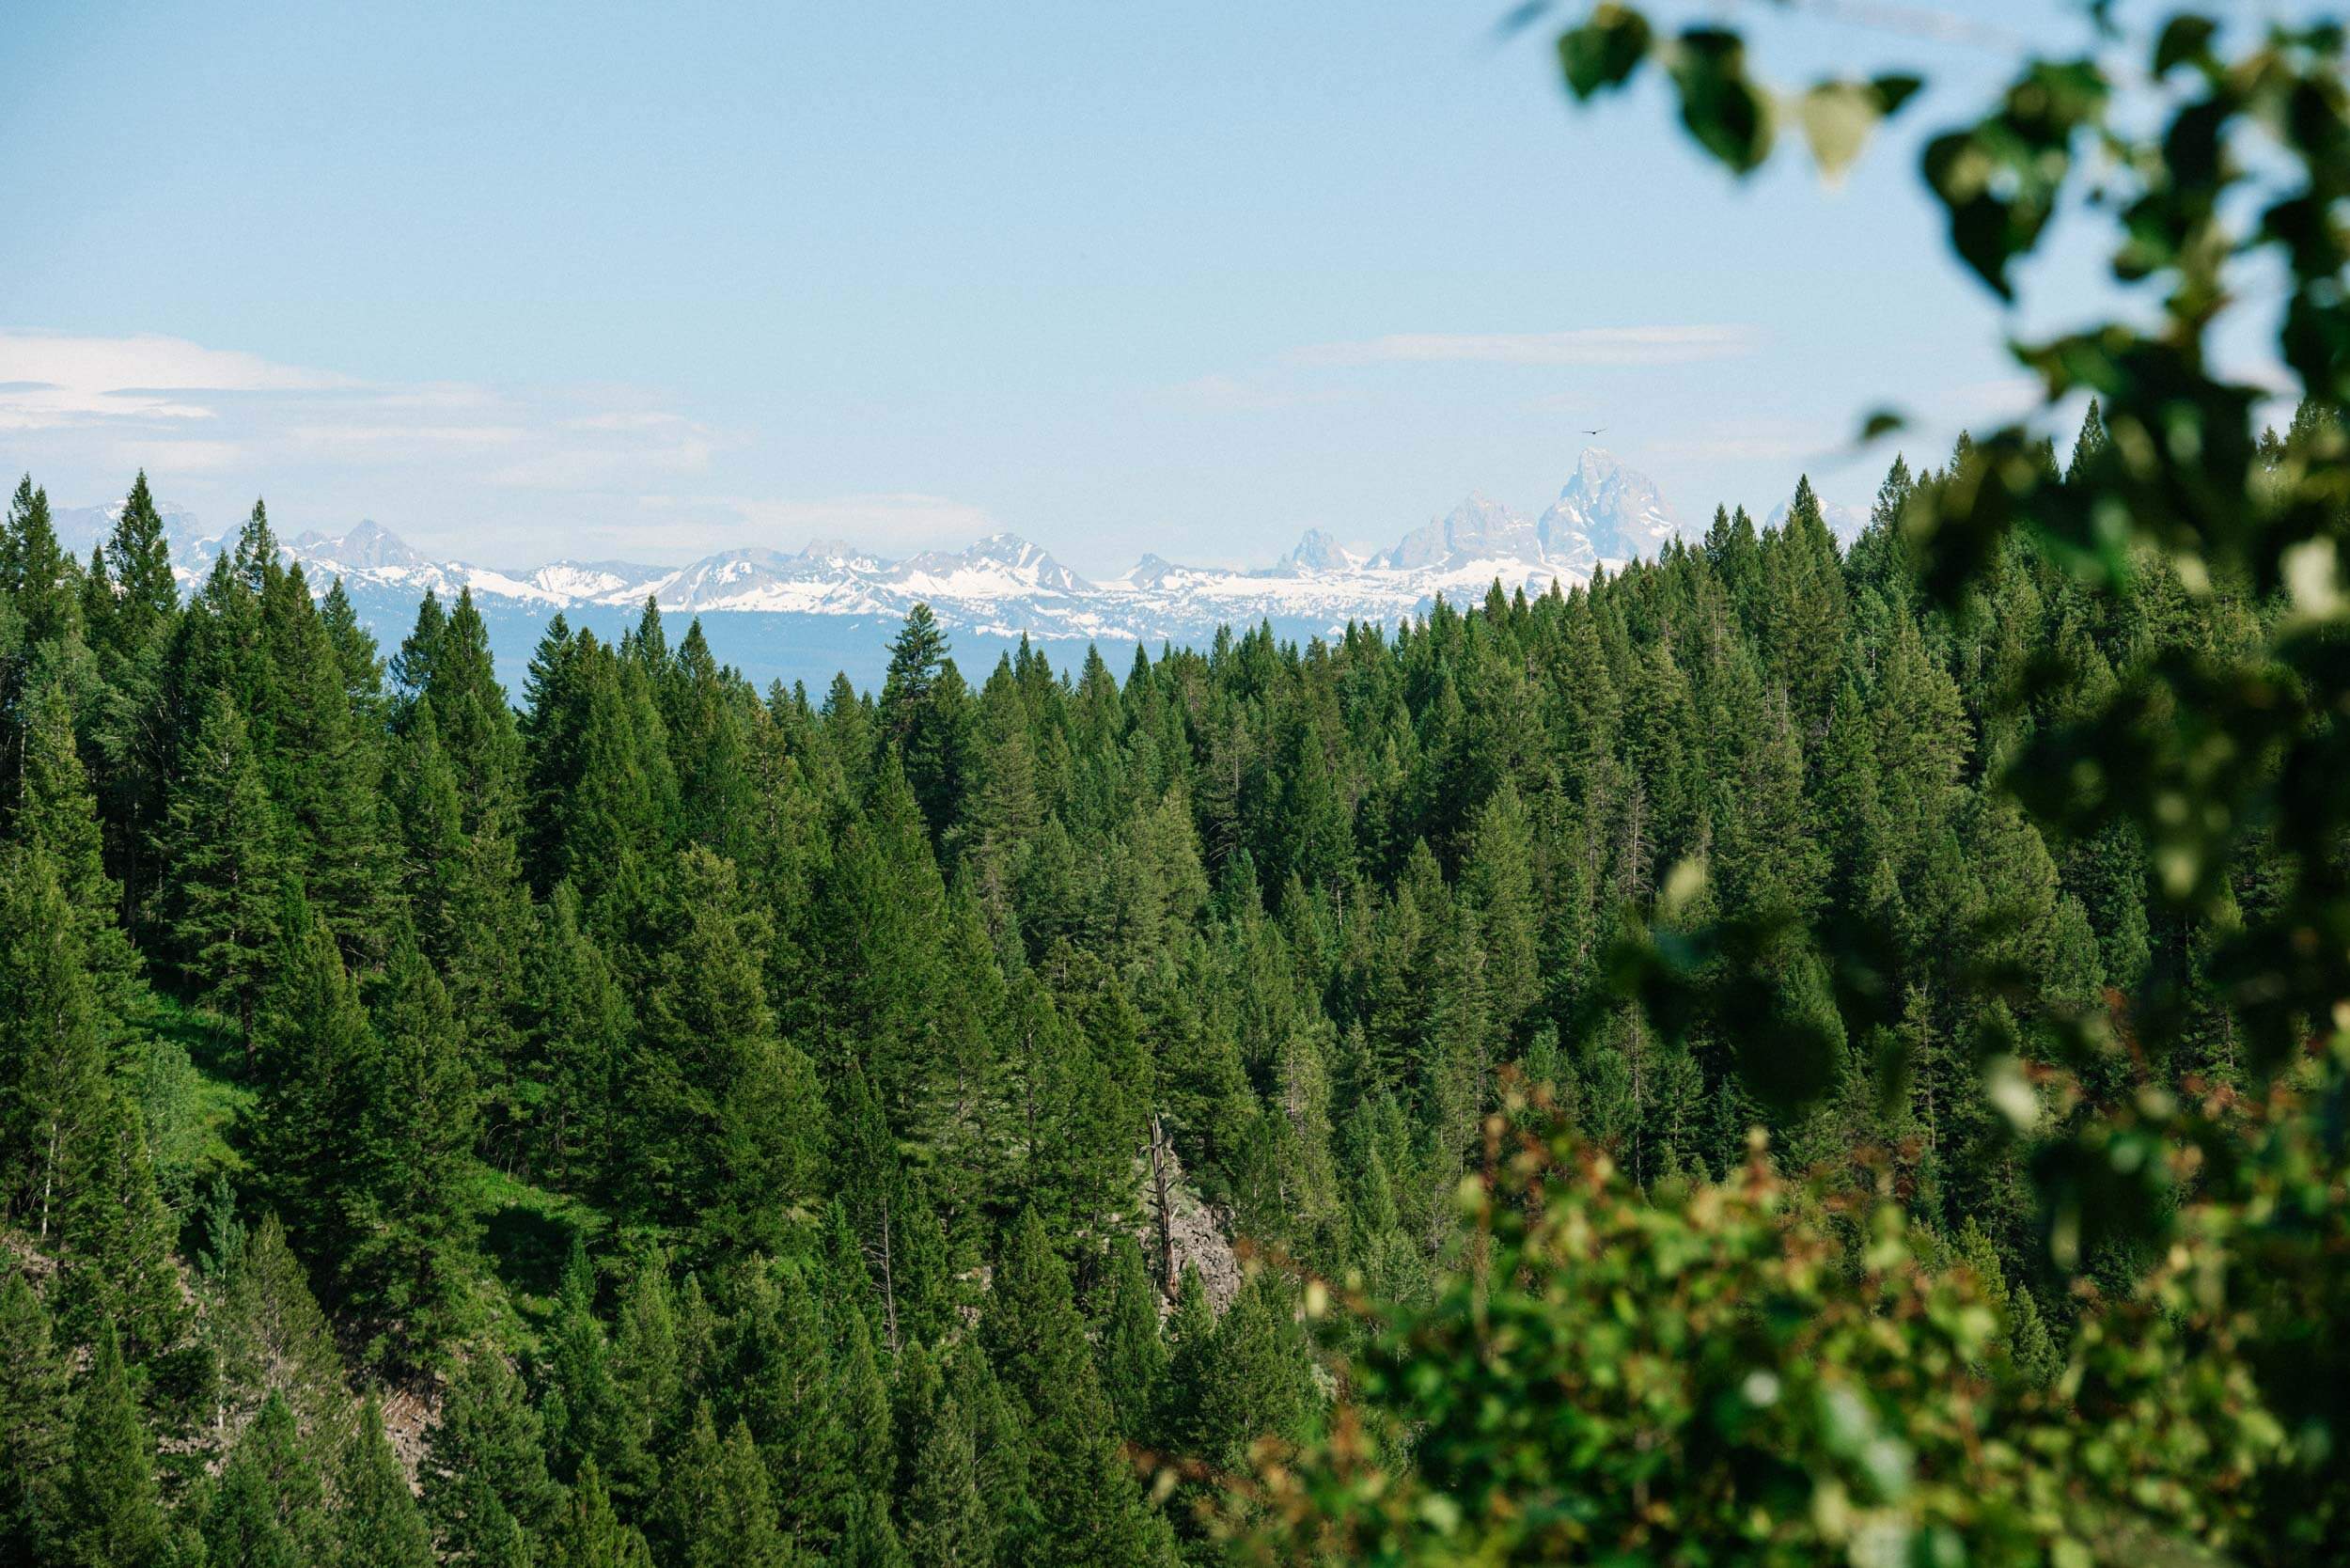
(1605, 512)
(1005, 586)
(1846, 523)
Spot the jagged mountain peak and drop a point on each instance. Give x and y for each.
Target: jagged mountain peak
(998, 564)
(1480, 529)
(1005, 584)
(366, 544)
(1845, 523)
(1318, 550)
(1606, 512)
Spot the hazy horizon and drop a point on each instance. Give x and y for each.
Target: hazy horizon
(546, 283)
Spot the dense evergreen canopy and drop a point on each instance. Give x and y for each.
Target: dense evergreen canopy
(1789, 1049)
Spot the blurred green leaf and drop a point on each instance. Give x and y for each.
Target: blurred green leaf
(1837, 119)
(1728, 113)
(1604, 51)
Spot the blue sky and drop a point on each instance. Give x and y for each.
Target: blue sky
(522, 281)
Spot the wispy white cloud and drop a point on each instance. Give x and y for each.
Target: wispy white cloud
(1579, 346)
(135, 395)
(613, 455)
(52, 379)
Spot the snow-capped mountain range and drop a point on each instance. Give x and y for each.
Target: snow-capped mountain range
(832, 606)
(1004, 585)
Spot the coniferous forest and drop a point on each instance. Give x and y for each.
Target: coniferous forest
(1788, 1052)
(759, 1127)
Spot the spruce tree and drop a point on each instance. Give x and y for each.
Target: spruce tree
(1499, 884)
(469, 904)
(409, 1271)
(129, 606)
(35, 1426)
(111, 1514)
(592, 1534)
(862, 1400)
(57, 813)
(486, 1487)
(412, 665)
(377, 1522)
(1002, 1471)
(586, 1414)
(224, 848)
(53, 1065)
(549, 727)
(35, 574)
(710, 718)
(314, 1049)
(882, 981)
(868, 1538)
(269, 1339)
(894, 1230)
(476, 724)
(356, 657)
(924, 714)
(1091, 1509)
(75, 1162)
(723, 1135)
(718, 1504)
(651, 1363)
(1132, 1357)
(138, 566)
(268, 1507)
(1190, 1339)
(326, 778)
(1257, 1382)
(947, 1525)
(784, 1383)
(118, 1235)
(610, 815)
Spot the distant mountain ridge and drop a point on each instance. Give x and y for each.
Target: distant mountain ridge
(830, 594)
(1005, 586)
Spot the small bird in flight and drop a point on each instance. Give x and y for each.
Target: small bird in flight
(1601, 430)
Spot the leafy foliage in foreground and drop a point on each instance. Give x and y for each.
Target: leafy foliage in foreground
(1748, 1370)
(2200, 1406)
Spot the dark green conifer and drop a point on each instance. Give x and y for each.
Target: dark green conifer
(719, 1503)
(486, 1487)
(111, 1515)
(1089, 1505)
(592, 1534)
(724, 1136)
(409, 1269)
(268, 1507)
(35, 1426)
(377, 1522)
(223, 844)
(1127, 1347)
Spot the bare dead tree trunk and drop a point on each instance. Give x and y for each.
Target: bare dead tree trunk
(1160, 1198)
(889, 1283)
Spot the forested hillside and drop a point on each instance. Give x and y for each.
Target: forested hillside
(725, 1126)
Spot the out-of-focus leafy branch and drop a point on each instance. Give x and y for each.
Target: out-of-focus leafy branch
(1563, 1403)
(2247, 163)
